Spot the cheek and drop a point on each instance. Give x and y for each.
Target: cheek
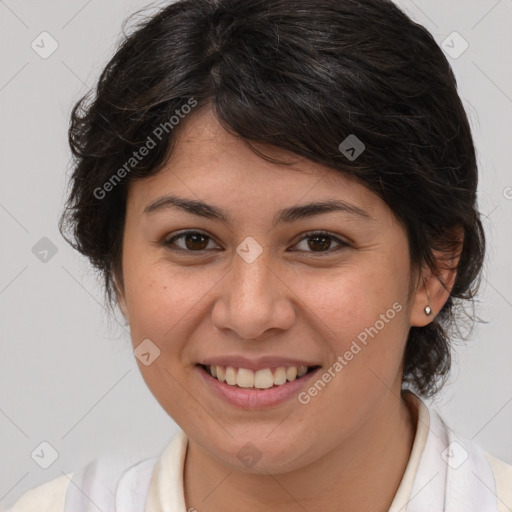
(362, 316)
(161, 302)
(363, 321)
(162, 299)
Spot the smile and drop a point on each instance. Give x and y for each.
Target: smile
(264, 378)
(256, 389)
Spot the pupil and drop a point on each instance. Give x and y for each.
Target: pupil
(326, 240)
(195, 237)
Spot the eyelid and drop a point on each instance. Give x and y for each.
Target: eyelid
(167, 241)
(321, 232)
(342, 244)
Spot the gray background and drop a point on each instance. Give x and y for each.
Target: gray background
(67, 372)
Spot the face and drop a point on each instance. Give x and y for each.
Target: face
(254, 281)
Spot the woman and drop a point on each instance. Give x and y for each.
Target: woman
(281, 196)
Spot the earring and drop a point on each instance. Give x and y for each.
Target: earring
(427, 310)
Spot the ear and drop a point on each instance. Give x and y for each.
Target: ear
(430, 290)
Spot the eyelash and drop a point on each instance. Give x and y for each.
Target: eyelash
(311, 234)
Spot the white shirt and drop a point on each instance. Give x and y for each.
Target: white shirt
(162, 478)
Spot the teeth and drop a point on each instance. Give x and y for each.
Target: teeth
(280, 376)
(245, 378)
(291, 373)
(263, 379)
(302, 371)
(231, 375)
(260, 379)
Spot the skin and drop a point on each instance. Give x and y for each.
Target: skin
(310, 303)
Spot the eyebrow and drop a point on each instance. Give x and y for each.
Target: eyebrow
(285, 215)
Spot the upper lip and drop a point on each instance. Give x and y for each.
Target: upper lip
(257, 363)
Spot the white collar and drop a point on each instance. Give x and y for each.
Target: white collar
(450, 473)
(445, 473)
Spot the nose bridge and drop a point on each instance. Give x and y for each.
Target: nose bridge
(252, 282)
(251, 272)
(253, 298)
(253, 279)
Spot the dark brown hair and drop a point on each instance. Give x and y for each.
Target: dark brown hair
(301, 76)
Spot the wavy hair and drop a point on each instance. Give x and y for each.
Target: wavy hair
(301, 76)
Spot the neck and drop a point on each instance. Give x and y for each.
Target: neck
(363, 473)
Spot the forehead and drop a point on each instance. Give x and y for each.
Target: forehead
(209, 163)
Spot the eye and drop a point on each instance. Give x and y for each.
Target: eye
(196, 241)
(191, 241)
(320, 242)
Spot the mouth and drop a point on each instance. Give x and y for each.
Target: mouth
(262, 379)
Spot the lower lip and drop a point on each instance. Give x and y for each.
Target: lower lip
(255, 398)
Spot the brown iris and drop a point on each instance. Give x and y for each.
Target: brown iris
(196, 241)
(312, 241)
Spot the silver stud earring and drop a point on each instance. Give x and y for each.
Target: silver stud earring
(427, 310)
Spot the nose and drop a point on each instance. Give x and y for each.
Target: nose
(254, 300)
